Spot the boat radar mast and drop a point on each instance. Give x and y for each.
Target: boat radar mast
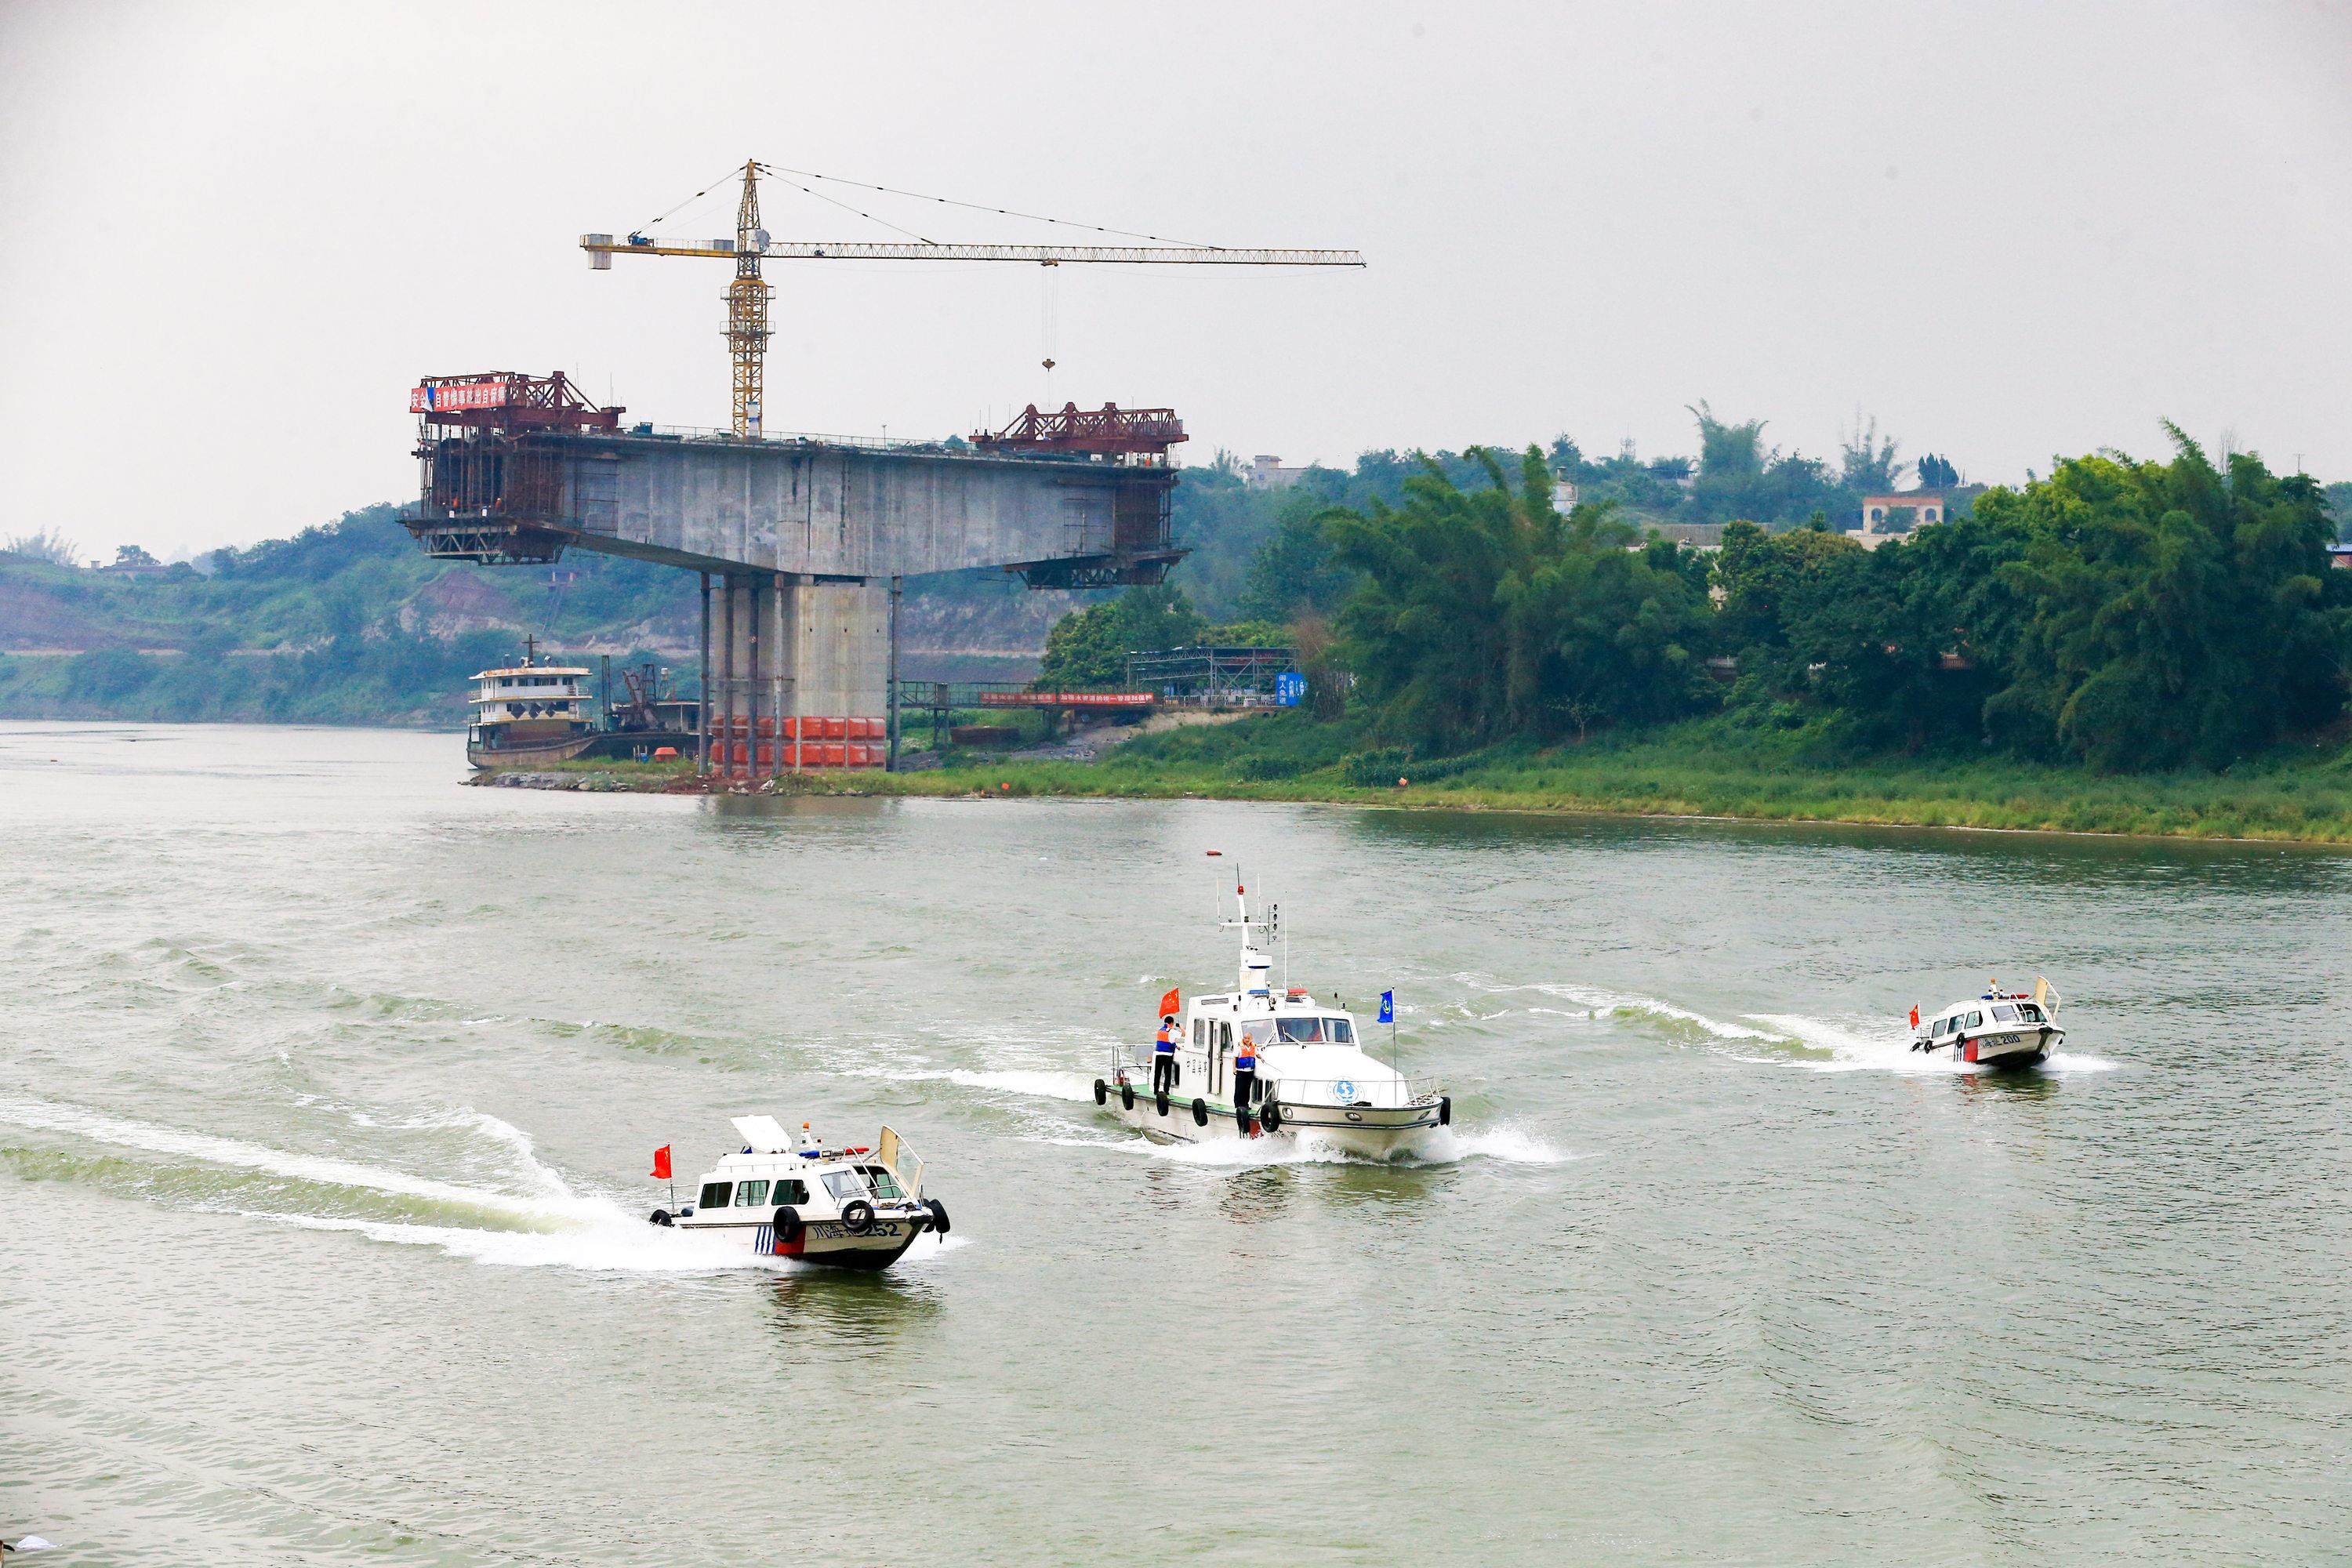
(1257, 958)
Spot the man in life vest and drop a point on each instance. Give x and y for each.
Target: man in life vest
(1163, 1056)
(1245, 1071)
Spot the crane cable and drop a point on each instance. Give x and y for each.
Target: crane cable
(778, 170)
(845, 206)
(796, 184)
(690, 200)
(980, 207)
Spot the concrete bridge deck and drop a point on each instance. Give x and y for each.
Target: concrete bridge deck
(811, 506)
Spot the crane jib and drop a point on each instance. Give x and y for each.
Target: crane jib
(870, 250)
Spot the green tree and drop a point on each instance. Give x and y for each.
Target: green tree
(2180, 613)
(1739, 477)
(2339, 507)
(49, 545)
(1897, 647)
(1295, 573)
(1483, 614)
(1088, 648)
(1867, 462)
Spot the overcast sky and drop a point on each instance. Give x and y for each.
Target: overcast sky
(234, 236)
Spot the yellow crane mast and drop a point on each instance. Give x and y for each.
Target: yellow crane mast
(747, 296)
(747, 306)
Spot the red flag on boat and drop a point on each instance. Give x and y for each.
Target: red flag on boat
(1915, 1015)
(661, 1163)
(1171, 1002)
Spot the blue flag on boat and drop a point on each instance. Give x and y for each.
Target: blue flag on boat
(1387, 1007)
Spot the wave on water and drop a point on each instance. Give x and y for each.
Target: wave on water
(1448, 1146)
(555, 1200)
(1869, 1045)
(1035, 1083)
(617, 1243)
(1857, 1043)
(1506, 1143)
(1445, 1146)
(553, 1226)
(1593, 999)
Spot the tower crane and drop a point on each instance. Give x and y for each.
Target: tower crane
(747, 295)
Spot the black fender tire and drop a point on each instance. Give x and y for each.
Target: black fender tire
(1200, 1112)
(1159, 1101)
(788, 1226)
(659, 1217)
(857, 1217)
(1446, 1110)
(1102, 1092)
(1127, 1097)
(939, 1214)
(1269, 1115)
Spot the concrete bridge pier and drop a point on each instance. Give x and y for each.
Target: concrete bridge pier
(799, 673)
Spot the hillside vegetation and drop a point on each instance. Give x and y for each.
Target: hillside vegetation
(349, 623)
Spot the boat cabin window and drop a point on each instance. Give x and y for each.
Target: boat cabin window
(790, 1193)
(1976, 1020)
(845, 1184)
(1299, 1031)
(885, 1185)
(1338, 1031)
(714, 1194)
(1224, 1035)
(751, 1194)
(2003, 1013)
(2028, 1013)
(1200, 1032)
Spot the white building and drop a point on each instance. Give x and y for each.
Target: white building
(1894, 516)
(1267, 473)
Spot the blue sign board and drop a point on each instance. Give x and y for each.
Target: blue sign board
(1288, 689)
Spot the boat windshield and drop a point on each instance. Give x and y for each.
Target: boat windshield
(845, 1184)
(1314, 1031)
(2002, 1012)
(884, 1186)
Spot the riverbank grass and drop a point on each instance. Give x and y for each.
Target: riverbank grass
(1700, 769)
(1708, 768)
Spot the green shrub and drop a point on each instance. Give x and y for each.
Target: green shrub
(1369, 770)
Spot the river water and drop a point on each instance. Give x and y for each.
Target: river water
(327, 1089)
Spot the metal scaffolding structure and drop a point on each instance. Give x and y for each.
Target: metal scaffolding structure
(1211, 676)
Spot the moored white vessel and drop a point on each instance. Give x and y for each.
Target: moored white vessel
(1997, 1028)
(529, 713)
(1314, 1078)
(790, 1197)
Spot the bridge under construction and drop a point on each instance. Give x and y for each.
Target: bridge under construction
(803, 543)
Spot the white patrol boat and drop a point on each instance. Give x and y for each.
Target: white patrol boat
(1314, 1075)
(787, 1197)
(1999, 1028)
